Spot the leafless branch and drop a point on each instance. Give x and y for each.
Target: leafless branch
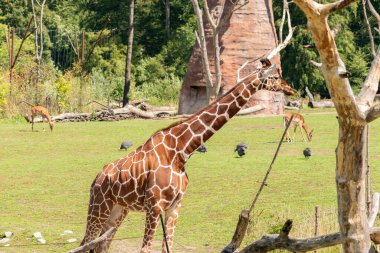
(373, 113)
(283, 241)
(202, 45)
(91, 245)
(316, 64)
(371, 40)
(27, 33)
(374, 13)
(284, 9)
(71, 43)
(371, 83)
(283, 44)
(331, 7)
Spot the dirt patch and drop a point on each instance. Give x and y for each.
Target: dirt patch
(134, 245)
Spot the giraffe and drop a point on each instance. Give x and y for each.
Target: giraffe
(152, 178)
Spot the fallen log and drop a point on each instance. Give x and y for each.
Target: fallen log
(147, 107)
(321, 104)
(291, 108)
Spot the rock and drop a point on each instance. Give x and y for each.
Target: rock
(71, 240)
(42, 240)
(5, 240)
(7, 245)
(240, 43)
(37, 235)
(8, 234)
(68, 232)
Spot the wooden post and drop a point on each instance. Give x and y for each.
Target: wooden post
(368, 178)
(316, 224)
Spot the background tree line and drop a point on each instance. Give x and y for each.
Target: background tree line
(78, 67)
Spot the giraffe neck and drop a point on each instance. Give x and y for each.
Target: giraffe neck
(193, 132)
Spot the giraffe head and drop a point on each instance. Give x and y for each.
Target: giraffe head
(272, 79)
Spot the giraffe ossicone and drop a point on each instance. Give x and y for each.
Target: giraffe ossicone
(152, 178)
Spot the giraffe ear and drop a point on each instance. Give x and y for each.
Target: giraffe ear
(270, 71)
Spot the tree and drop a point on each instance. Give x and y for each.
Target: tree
(127, 82)
(38, 34)
(354, 114)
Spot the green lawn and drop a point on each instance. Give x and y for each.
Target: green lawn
(45, 179)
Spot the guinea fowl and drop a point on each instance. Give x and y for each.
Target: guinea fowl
(241, 148)
(125, 145)
(307, 153)
(202, 149)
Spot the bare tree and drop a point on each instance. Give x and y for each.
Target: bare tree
(38, 34)
(354, 114)
(128, 64)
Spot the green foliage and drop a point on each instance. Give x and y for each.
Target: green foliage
(4, 91)
(62, 89)
(163, 91)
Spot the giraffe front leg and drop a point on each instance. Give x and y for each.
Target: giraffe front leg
(171, 218)
(152, 219)
(115, 219)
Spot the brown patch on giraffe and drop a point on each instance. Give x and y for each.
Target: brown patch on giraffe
(206, 118)
(161, 173)
(219, 122)
(222, 109)
(170, 141)
(197, 127)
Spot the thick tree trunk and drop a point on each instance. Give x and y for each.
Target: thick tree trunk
(350, 180)
(127, 81)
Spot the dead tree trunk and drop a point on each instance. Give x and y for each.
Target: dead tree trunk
(354, 113)
(39, 36)
(128, 64)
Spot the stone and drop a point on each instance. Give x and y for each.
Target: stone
(8, 234)
(72, 240)
(249, 34)
(41, 240)
(5, 240)
(68, 232)
(37, 235)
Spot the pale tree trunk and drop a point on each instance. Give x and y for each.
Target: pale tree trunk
(128, 64)
(39, 36)
(354, 113)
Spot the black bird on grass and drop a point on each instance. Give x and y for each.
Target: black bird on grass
(125, 145)
(241, 148)
(307, 153)
(202, 149)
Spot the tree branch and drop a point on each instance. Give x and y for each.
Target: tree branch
(374, 12)
(373, 113)
(371, 40)
(288, 37)
(273, 242)
(370, 85)
(202, 45)
(94, 243)
(331, 7)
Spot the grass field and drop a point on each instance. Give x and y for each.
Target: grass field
(45, 179)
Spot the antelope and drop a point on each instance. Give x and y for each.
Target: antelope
(43, 112)
(297, 122)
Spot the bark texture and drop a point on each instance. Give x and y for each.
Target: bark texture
(247, 35)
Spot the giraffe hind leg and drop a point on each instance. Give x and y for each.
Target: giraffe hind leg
(98, 213)
(115, 219)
